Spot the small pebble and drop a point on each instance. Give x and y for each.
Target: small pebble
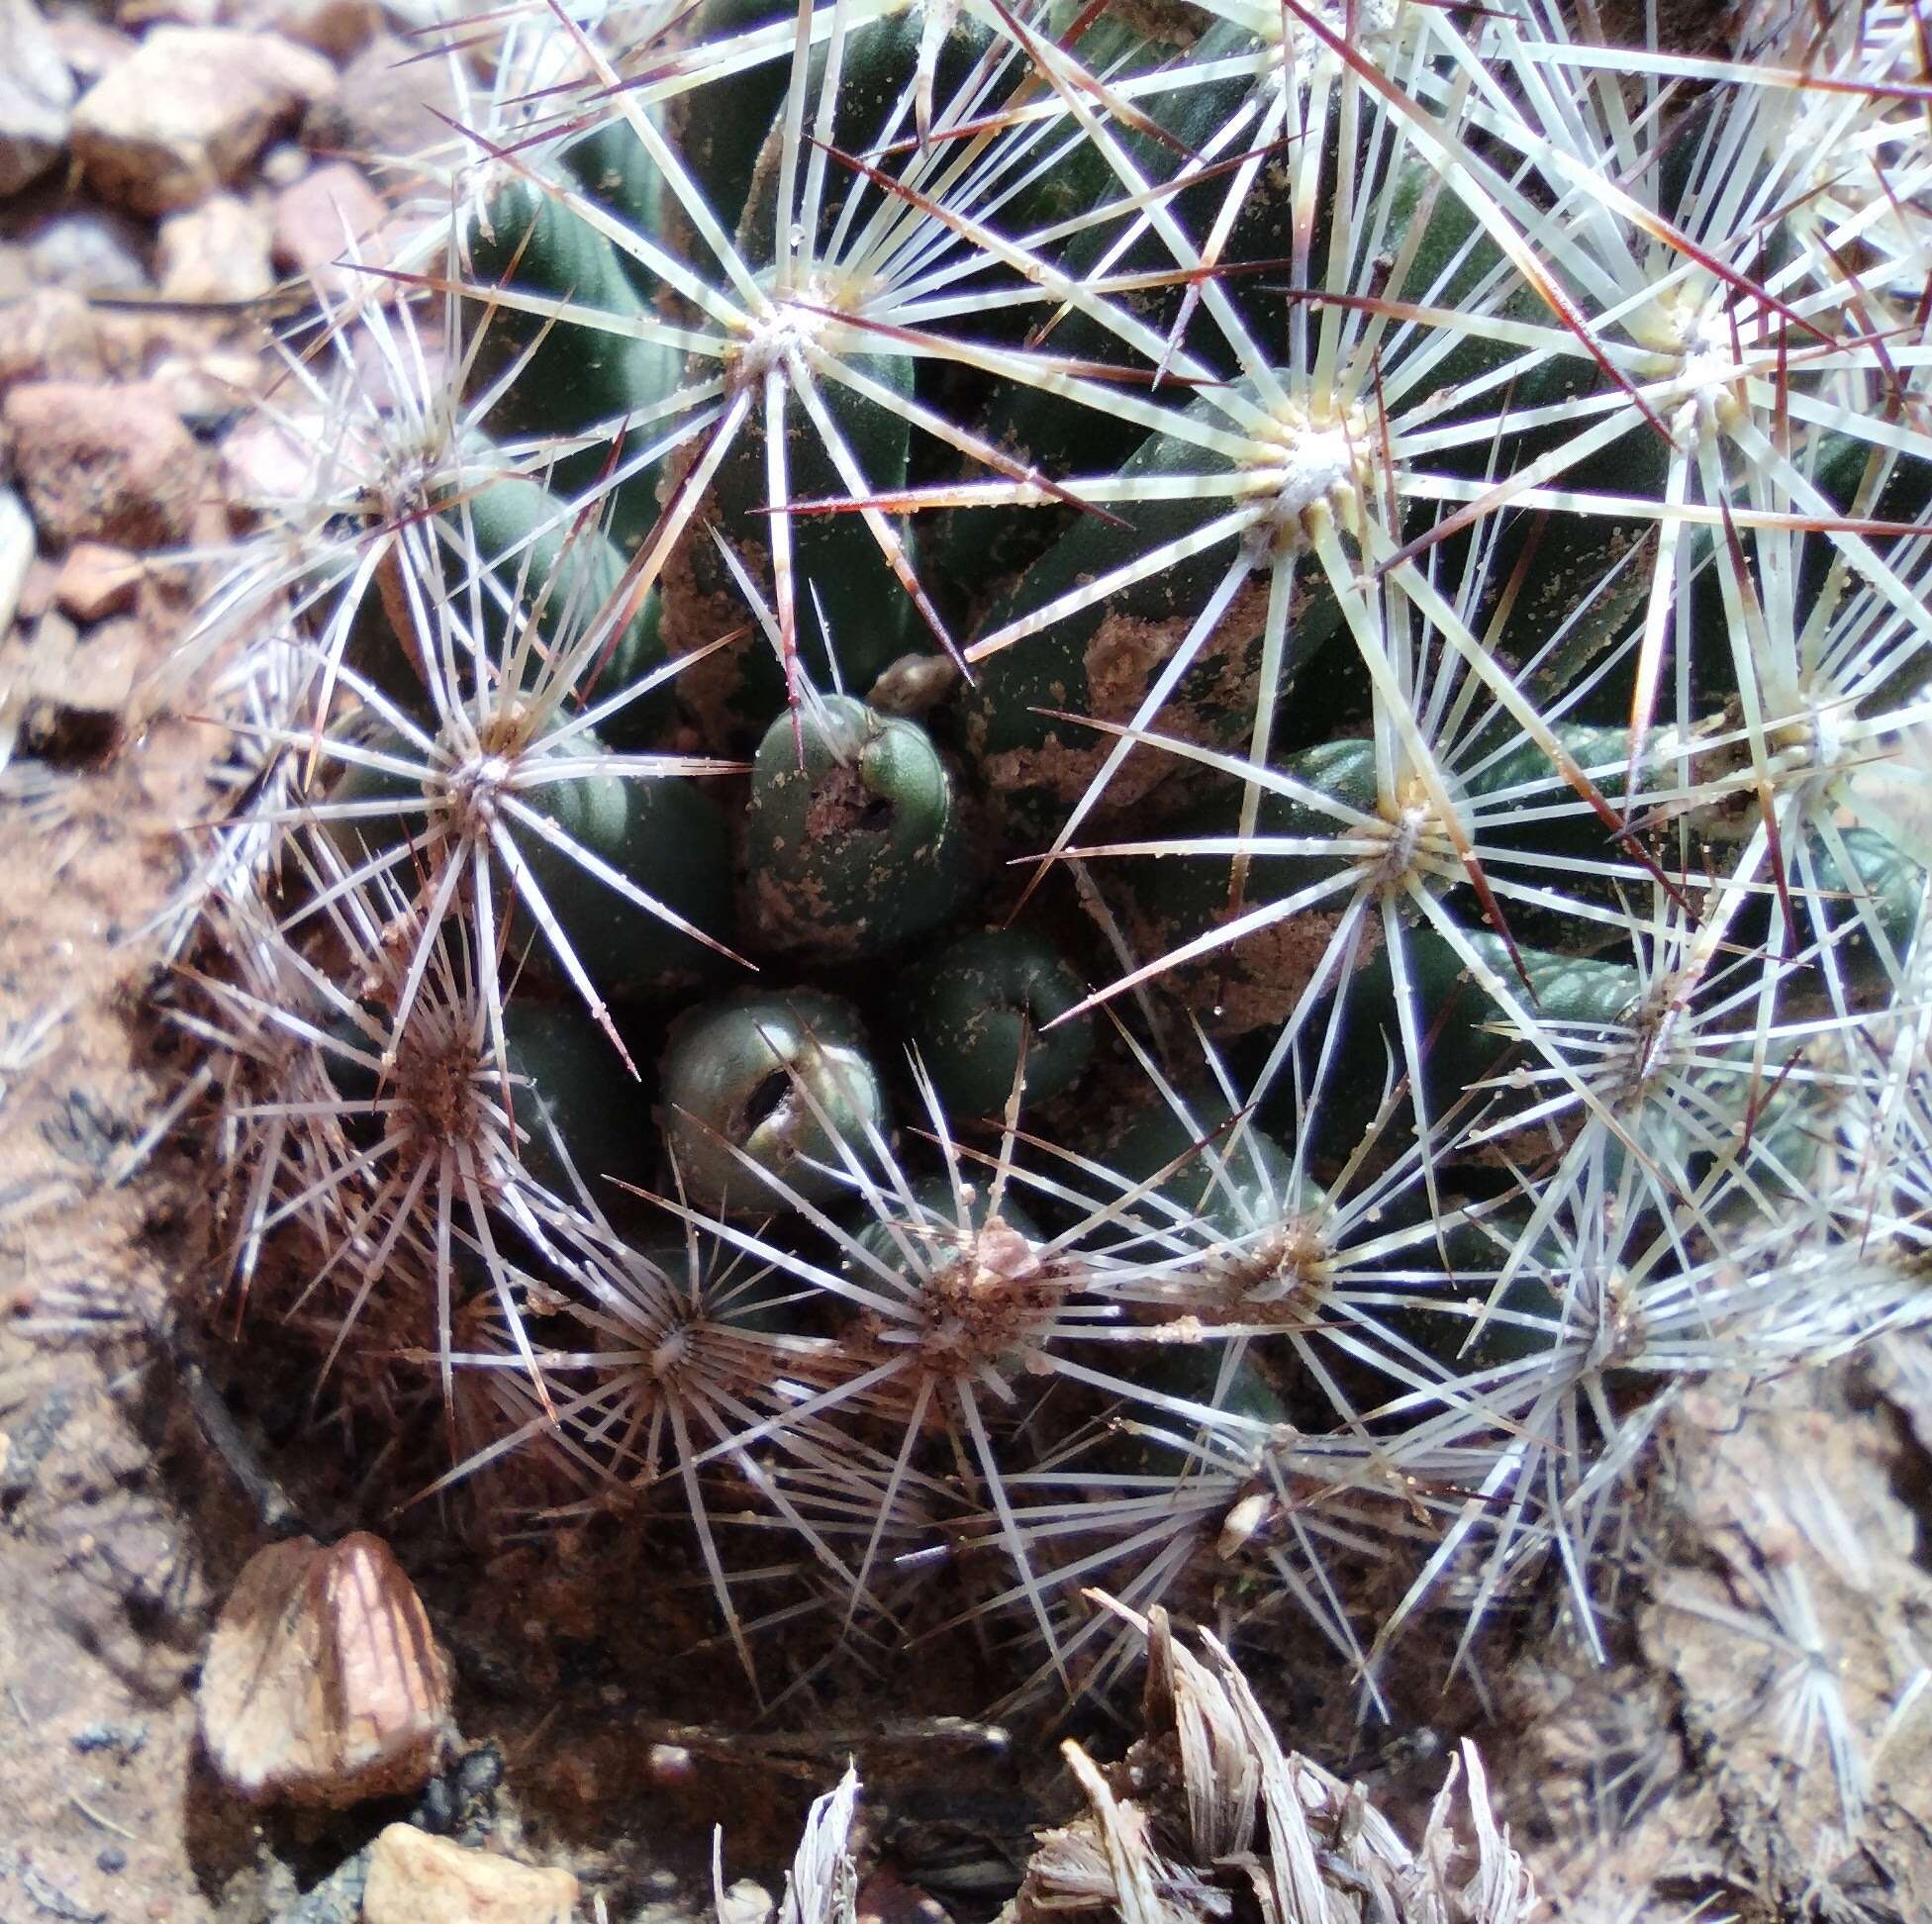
(89, 47)
(481, 1771)
(437, 1811)
(323, 1683)
(283, 164)
(96, 581)
(416, 1878)
(50, 336)
(217, 252)
(188, 111)
(91, 249)
(745, 1902)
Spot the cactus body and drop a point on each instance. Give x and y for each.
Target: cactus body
(1419, 573)
(984, 1004)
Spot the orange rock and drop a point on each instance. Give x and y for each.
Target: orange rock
(416, 1878)
(187, 112)
(323, 1683)
(325, 215)
(336, 28)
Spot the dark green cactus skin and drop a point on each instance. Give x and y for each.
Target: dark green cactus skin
(1467, 1026)
(524, 576)
(878, 65)
(613, 169)
(1881, 895)
(563, 579)
(574, 378)
(1197, 1373)
(1243, 1182)
(718, 129)
(1103, 661)
(861, 845)
(983, 1001)
(1468, 1332)
(747, 1072)
(1049, 431)
(857, 619)
(866, 615)
(576, 1094)
(667, 837)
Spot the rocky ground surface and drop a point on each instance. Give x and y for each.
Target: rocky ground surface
(1754, 1739)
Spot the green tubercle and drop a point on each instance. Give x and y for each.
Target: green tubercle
(769, 1084)
(856, 839)
(982, 1000)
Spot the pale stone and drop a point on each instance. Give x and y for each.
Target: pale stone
(37, 96)
(217, 252)
(211, 385)
(323, 1683)
(79, 687)
(745, 1902)
(189, 109)
(283, 164)
(16, 555)
(416, 1878)
(97, 580)
(92, 249)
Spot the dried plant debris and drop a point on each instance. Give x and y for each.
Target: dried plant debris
(1206, 1814)
(823, 1887)
(1792, 1625)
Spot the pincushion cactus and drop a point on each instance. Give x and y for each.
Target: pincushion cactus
(1385, 548)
